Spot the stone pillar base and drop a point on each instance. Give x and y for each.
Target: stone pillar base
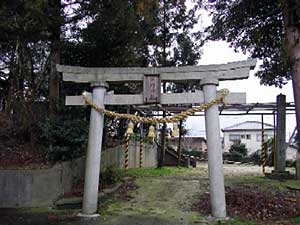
(279, 175)
(211, 219)
(88, 216)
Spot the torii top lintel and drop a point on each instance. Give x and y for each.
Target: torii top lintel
(229, 71)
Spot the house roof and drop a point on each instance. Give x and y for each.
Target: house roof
(248, 125)
(190, 138)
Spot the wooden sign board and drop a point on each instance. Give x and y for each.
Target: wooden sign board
(152, 89)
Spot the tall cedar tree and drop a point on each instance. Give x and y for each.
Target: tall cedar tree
(29, 50)
(23, 53)
(268, 30)
(174, 45)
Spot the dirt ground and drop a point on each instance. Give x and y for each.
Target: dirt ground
(158, 200)
(168, 200)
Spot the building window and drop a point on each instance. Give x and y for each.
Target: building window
(243, 136)
(248, 136)
(258, 137)
(234, 137)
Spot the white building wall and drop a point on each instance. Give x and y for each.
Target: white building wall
(291, 153)
(247, 137)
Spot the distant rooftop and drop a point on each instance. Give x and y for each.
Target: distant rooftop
(186, 136)
(190, 137)
(248, 125)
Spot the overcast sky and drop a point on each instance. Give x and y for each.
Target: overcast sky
(219, 52)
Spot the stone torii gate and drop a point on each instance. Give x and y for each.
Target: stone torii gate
(208, 76)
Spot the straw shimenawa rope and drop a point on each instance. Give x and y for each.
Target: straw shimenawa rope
(153, 120)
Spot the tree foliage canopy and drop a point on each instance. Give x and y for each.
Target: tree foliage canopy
(38, 34)
(256, 27)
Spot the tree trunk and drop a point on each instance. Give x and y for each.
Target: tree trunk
(54, 79)
(294, 35)
(298, 166)
(164, 127)
(163, 137)
(292, 31)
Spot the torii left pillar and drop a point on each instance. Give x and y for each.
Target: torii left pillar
(215, 157)
(93, 158)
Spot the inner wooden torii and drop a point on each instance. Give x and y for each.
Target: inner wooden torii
(207, 75)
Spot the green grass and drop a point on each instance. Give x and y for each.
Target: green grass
(155, 172)
(239, 222)
(296, 220)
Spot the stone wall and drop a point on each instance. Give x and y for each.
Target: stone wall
(38, 187)
(41, 187)
(115, 156)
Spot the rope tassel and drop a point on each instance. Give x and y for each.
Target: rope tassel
(174, 130)
(151, 133)
(130, 128)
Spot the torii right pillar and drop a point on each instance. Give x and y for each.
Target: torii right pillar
(215, 157)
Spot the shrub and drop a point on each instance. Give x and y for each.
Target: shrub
(240, 148)
(255, 157)
(110, 175)
(236, 156)
(62, 139)
(194, 153)
(237, 153)
(290, 163)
